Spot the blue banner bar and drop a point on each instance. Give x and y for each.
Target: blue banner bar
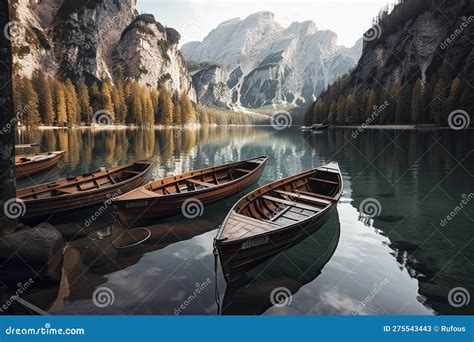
(229, 329)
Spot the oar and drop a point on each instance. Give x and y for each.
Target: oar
(26, 145)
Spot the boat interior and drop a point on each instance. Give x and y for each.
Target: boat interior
(90, 181)
(283, 204)
(200, 179)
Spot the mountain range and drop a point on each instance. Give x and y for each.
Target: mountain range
(256, 62)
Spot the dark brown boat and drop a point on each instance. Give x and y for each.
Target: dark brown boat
(275, 216)
(82, 191)
(187, 192)
(29, 164)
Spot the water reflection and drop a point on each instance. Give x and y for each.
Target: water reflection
(275, 281)
(418, 178)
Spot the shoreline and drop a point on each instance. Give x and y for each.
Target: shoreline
(198, 126)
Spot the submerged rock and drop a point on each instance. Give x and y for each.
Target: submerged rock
(31, 253)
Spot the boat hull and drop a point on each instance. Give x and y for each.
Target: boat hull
(45, 208)
(235, 260)
(30, 168)
(149, 210)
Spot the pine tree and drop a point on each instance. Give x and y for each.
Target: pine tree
(147, 105)
(45, 97)
(60, 103)
(178, 116)
(84, 103)
(30, 100)
(341, 106)
(135, 104)
(454, 95)
(399, 102)
(438, 105)
(106, 98)
(332, 112)
(415, 102)
(72, 104)
(187, 110)
(166, 107)
(95, 97)
(369, 103)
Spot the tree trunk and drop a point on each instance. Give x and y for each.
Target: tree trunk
(8, 223)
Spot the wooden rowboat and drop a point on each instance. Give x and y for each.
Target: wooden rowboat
(63, 195)
(28, 164)
(275, 216)
(168, 196)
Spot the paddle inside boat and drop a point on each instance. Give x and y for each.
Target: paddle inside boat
(171, 195)
(81, 191)
(29, 164)
(273, 217)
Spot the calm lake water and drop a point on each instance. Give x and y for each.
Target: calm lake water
(404, 261)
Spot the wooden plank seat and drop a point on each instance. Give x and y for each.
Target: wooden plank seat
(291, 204)
(311, 198)
(198, 182)
(324, 181)
(314, 194)
(243, 170)
(132, 173)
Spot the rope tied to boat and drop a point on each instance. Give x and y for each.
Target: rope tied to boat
(216, 287)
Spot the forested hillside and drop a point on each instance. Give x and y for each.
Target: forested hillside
(417, 65)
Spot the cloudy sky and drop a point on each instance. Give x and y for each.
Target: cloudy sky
(195, 18)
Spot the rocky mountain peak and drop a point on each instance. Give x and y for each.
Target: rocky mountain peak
(264, 60)
(90, 39)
